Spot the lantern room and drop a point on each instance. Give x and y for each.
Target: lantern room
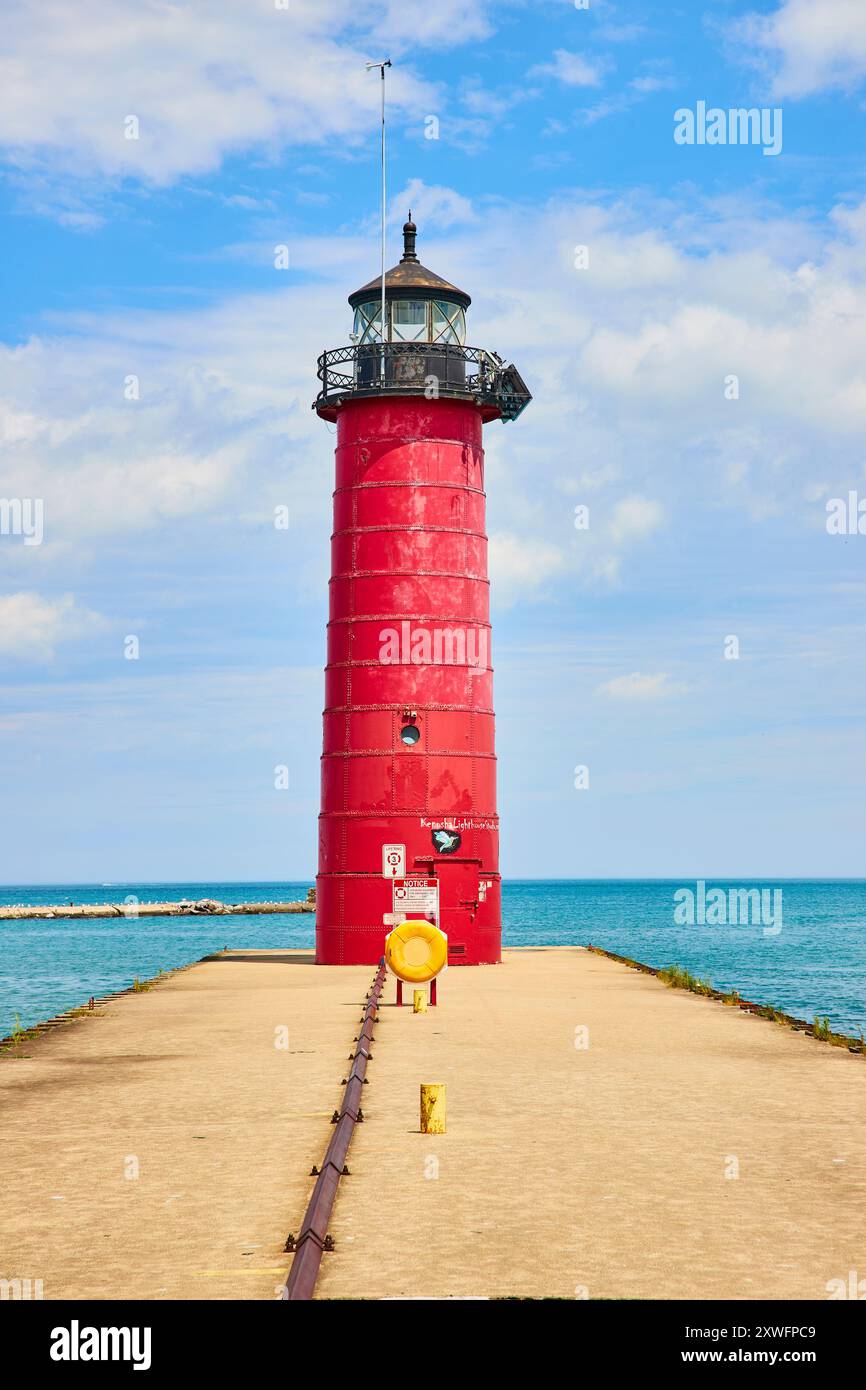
(420, 307)
(423, 349)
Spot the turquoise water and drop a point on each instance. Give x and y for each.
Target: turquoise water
(816, 964)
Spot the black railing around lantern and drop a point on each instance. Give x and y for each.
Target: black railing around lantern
(426, 369)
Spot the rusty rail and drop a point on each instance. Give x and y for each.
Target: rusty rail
(314, 1239)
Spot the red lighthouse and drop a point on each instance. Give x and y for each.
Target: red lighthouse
(408, 824)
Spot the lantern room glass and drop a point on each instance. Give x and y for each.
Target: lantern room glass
(368, 322)
(448, 322)
(409, 321)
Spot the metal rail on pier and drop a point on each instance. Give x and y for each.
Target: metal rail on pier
(314, 1238)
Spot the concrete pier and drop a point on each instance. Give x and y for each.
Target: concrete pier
(607, 1138)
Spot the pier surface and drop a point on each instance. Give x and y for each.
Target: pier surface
(162, 1148)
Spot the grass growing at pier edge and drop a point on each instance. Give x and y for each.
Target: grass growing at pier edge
(678, 978)
(10, 1044)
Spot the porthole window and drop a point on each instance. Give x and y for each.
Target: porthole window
(409, 734)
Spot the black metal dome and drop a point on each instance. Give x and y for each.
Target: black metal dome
(410, 279)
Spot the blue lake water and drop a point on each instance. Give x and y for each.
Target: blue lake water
(816, 963)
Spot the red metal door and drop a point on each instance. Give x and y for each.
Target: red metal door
(458, 896)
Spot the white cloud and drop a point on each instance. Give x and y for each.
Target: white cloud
(32, 627)
(647, 85)
(630, 360)
(627, 361)
(640, 687)
(204, 80)
(808, 45)
(447, 23)
(521, 565)
(635, 517)
(638, 90)
(621, 33)
(571, 68)
(104, 464)
(431, 206)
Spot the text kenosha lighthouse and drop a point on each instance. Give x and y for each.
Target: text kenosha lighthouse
(408, 825)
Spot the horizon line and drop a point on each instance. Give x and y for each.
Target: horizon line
(595, 878)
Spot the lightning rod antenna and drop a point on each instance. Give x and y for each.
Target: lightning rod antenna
(386, 63)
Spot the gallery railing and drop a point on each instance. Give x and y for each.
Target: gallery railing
(429, 369)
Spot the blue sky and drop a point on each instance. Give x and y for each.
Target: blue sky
(154, 258)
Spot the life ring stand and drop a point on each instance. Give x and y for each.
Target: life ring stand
(405, 957)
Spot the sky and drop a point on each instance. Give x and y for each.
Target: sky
(690, 319)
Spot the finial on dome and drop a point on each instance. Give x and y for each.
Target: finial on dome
(409, 234)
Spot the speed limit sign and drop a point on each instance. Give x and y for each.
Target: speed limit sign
(393, 861)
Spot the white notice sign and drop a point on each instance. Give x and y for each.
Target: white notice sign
(417, 898)
(393, 861)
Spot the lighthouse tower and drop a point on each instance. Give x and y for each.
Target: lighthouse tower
(408, 824)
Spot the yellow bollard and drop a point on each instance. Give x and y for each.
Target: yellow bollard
(419, 1001)
(432, 1108)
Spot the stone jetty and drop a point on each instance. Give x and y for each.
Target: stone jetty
(133, 907)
